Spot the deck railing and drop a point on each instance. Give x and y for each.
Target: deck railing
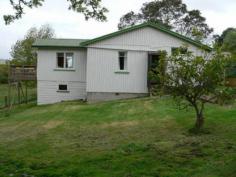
(22, 73)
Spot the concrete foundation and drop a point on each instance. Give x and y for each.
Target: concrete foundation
(93, 97)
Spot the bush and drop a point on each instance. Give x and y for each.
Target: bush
(3, 74)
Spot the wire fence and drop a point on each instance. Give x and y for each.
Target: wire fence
(32, 95)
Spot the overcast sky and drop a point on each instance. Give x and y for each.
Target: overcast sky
(68, 24)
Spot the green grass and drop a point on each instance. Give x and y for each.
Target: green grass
(4, 92)
(132, 138)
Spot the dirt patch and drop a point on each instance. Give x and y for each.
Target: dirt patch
(73, 108)
(120, 124)
(148, 105)
(12, 127)
(53, 124)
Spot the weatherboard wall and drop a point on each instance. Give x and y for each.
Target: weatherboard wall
(144, 39)
(103, 66)
(49, 77)
(103, 72)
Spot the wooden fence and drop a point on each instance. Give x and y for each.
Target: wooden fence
(18, 77)
(22, 73)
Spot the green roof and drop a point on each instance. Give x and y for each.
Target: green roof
(77, 43)
(74, 43)
(149, 24)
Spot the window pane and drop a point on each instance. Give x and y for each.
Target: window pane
(183, 50)
(174, 50)
(125, 64)
(60, 60)
(123, 60)
(180, 50)
(69, 60)
(122, 54)
(122, 63)
(62, 87)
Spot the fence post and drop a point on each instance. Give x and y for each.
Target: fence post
(26, 92)
(6, 101)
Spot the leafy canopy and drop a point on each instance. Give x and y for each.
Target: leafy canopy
(173, 14)
(90, 8)
(219, 39)
(22, 51)
(229, 42)
(195, 80)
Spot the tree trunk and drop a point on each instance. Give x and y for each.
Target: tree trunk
(199, 116)
(199, 121)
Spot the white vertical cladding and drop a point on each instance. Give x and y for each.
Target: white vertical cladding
(144, 39)
(102, 67)
(49, 78)
(102, 58)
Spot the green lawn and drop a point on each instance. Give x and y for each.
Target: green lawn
(133, 138)
(4, 92)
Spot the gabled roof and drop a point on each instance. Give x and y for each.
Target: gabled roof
(149, 24)
(79, 43)
(72, 43)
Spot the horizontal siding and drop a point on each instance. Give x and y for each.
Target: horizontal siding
(49, 79)
(144, 39)
(102, 65)
(47, 91)
(47, 62)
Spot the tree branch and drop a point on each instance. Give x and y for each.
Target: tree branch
(90, 9)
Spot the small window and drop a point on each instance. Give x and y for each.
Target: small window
(65, 60)
(181, 50)
(62, 87)
(123, 61)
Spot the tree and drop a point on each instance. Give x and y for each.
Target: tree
(219, 39)
(172, 14)
(22, 51)
(195, 80)
(90, 8)
(129, 19)
(229, 42)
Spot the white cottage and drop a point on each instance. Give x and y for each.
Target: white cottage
(113, 66)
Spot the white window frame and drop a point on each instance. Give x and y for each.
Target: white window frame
(125, 60)
(65, 59)
(63, 91)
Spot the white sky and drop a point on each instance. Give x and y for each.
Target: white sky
(68, 24)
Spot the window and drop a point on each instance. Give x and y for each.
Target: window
(65, 60)
(62, 87)
(123, 61)
(180, 50)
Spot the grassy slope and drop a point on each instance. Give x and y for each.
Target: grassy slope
(134, 138)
